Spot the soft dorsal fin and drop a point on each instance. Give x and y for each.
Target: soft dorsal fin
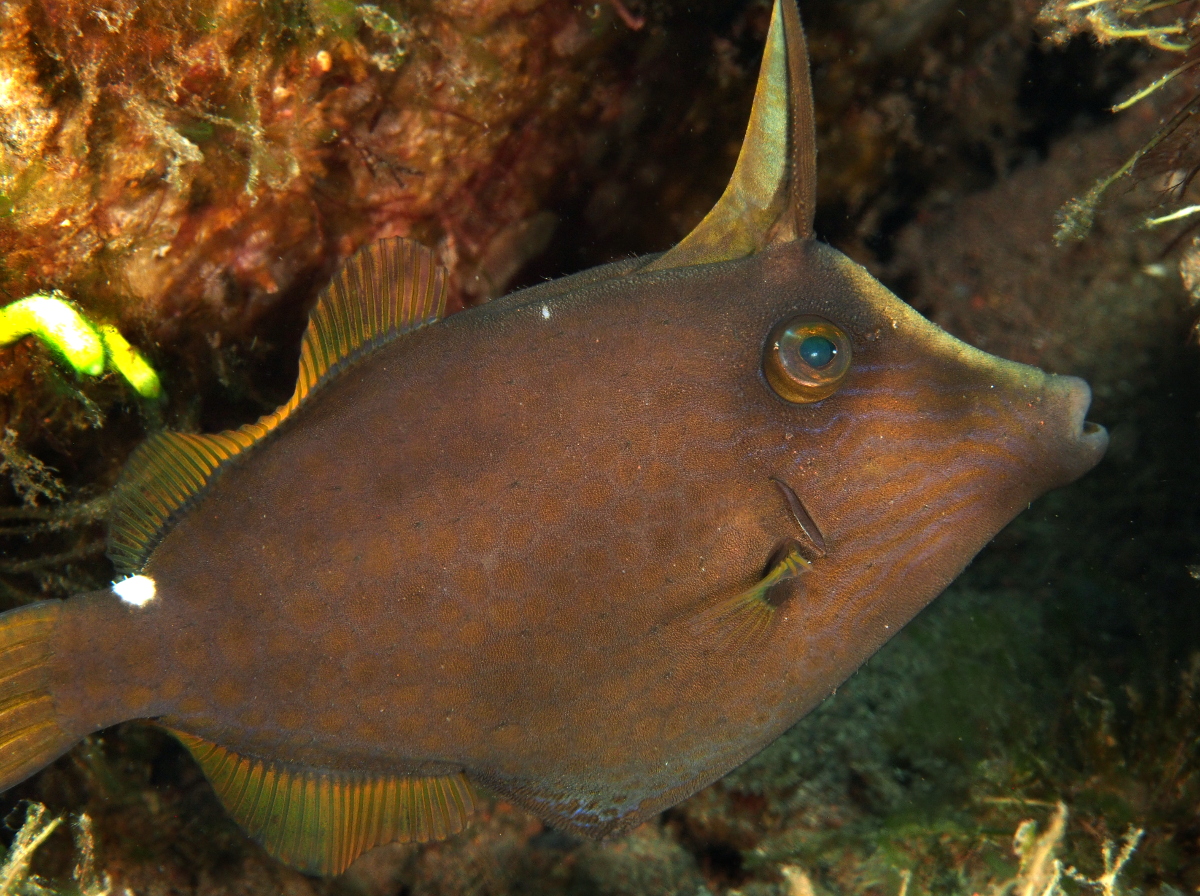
(771, 196)
(319, 820)
(384, 290)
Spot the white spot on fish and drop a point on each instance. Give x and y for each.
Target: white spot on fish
(545, 312)
(137, 591)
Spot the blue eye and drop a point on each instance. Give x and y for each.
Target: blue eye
(806, 358)
(817, 351)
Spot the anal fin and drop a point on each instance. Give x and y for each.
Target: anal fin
(320, 820)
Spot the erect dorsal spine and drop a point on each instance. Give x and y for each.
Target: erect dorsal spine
(771, 195)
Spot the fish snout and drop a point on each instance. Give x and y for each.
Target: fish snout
(1077, 444)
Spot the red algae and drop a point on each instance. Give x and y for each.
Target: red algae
(199, 162)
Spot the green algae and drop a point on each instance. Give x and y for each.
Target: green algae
(54, 321)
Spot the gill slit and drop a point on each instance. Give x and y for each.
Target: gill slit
(808, 526)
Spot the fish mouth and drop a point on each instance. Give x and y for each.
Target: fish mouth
(1085, 440)
(1089, 434)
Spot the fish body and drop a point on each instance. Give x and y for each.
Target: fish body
(578, 545)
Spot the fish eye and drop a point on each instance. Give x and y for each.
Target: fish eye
(806, 358)
(818, 351)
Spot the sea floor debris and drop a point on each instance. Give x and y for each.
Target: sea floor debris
(1168, 154)
(16, 877)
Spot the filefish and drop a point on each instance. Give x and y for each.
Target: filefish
(589, 546)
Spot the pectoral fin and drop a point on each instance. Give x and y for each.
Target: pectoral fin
(738, 621)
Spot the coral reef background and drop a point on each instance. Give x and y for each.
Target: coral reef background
(194, 171)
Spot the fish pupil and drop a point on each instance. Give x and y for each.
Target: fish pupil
(817, 351)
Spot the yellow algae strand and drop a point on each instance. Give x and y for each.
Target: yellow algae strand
(129, 362)
(53, 320)
(84, 346)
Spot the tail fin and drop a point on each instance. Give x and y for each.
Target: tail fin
(30, 737)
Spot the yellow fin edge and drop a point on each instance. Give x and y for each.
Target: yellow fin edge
(30, 734)
(320, 820)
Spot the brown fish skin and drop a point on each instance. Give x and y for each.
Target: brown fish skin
(490, 546)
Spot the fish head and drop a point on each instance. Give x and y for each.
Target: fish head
(898, 450)
(907, 449)
(825, 462)
(840, 346)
